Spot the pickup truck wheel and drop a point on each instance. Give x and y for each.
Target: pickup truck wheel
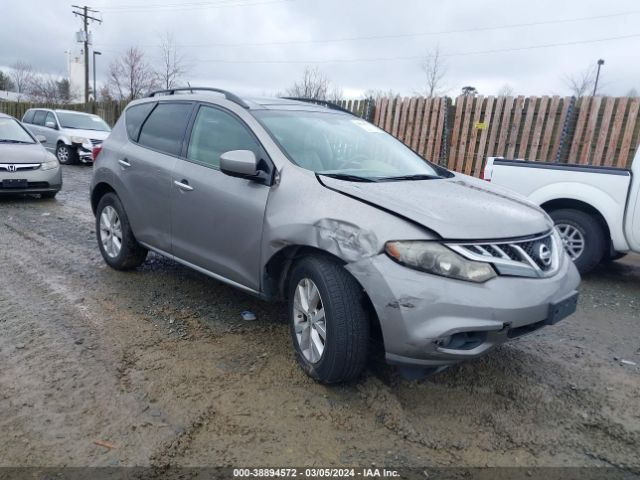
(328, 320)
(582, 237)
(118, 246)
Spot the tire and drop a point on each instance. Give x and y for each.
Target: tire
(48, 195)
(66, 155)
(346, 321)
(591, 231)
(130, 254)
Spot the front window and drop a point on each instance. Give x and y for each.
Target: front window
(345, 147)
(12, 132)
(82, 121)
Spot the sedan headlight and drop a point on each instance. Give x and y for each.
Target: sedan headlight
(49, 165)
(433, 257)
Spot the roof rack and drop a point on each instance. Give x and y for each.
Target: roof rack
(324, 103)
(228, 95)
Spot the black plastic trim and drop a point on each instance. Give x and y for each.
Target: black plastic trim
(562, 166)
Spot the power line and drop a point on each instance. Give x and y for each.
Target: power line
(416, 57)
(404, 35)
(189, 6)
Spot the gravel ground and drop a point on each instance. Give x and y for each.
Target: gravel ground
(159, 364)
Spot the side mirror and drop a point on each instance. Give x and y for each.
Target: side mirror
(41, 138)
(239, 163)
(51, 124)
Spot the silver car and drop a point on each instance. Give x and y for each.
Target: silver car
(309, 204)
(25, 166)
(70, 135)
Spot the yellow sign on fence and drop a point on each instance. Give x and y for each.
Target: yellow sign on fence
(481, 125)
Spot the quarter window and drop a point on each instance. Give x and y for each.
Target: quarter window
(216, 132)
(135, 116)
(164, 129)
(28, 117)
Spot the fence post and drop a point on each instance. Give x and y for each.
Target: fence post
(369, 109)
(444, 150)
(565, 130)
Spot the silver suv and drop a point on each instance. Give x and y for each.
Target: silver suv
(71, 135)
(362, 237)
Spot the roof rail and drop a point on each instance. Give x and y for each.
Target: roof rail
(324, 103)
(228, 95)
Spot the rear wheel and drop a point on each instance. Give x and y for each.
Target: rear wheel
(582, 237)
(117, 243)
(65, 154)
(328, 320)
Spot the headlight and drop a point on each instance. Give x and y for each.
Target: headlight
(49, 165)
(80, 140)
(433, 257)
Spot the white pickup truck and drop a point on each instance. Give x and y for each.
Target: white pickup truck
(596, 209)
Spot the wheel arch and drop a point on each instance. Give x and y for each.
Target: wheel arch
(574, 204)
(99, 191)
(277, 271)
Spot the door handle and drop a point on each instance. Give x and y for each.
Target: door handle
(183, 185)
(124, 162)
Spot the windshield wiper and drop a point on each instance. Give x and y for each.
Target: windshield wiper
(346, 176)
(417, 176)
(4, 140)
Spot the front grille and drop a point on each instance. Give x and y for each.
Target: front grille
(18, 167)
(531, 257)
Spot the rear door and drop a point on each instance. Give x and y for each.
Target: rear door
(217, 219)
(37, 126)
(157, 133)
(50, 129)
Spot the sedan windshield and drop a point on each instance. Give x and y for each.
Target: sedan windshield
(82, 121)
(12, 132)
(345, 147)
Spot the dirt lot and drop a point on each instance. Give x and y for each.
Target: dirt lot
(159, 363)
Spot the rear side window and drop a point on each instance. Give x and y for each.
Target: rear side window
(164, 129)
(39, 116)
(28, 117)
(135, 116)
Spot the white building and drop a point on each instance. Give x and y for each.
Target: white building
(75, 59)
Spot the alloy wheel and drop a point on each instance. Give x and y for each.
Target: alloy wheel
(572, 239)
(309, 320)
(63, 154)
(110, 231)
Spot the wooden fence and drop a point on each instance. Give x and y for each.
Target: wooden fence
(462, 133)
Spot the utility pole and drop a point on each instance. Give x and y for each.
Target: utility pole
(83, 12)
(595, 85)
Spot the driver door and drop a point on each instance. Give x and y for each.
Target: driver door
(217, 219)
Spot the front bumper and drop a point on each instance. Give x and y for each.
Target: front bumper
(39, 181)
(420, 313)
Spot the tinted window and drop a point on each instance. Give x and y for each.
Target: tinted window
(28, 117)
(38, 118)
(134, 116)
(50, 118)
(165, 127)
(216, 132)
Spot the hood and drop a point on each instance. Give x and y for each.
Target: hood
(90, 134)
(460, 207)
(23, 153)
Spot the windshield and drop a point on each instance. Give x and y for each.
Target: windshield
(82, 121)
(12, 132)
(344, 146)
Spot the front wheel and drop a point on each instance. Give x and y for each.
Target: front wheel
(66, 155)
(582, 237)
(118, 246)
(328, 320)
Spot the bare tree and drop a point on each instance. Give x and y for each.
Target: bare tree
(44, 88)
(505, 90)
(6, 84)
(173, 65)
(581, 83)
(435, 69)
(632, 93)
(314, 85)
(21, 75)
(130, 76)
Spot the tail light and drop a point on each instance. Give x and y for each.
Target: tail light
(95, 152)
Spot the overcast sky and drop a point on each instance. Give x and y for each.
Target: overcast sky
(262, 46)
